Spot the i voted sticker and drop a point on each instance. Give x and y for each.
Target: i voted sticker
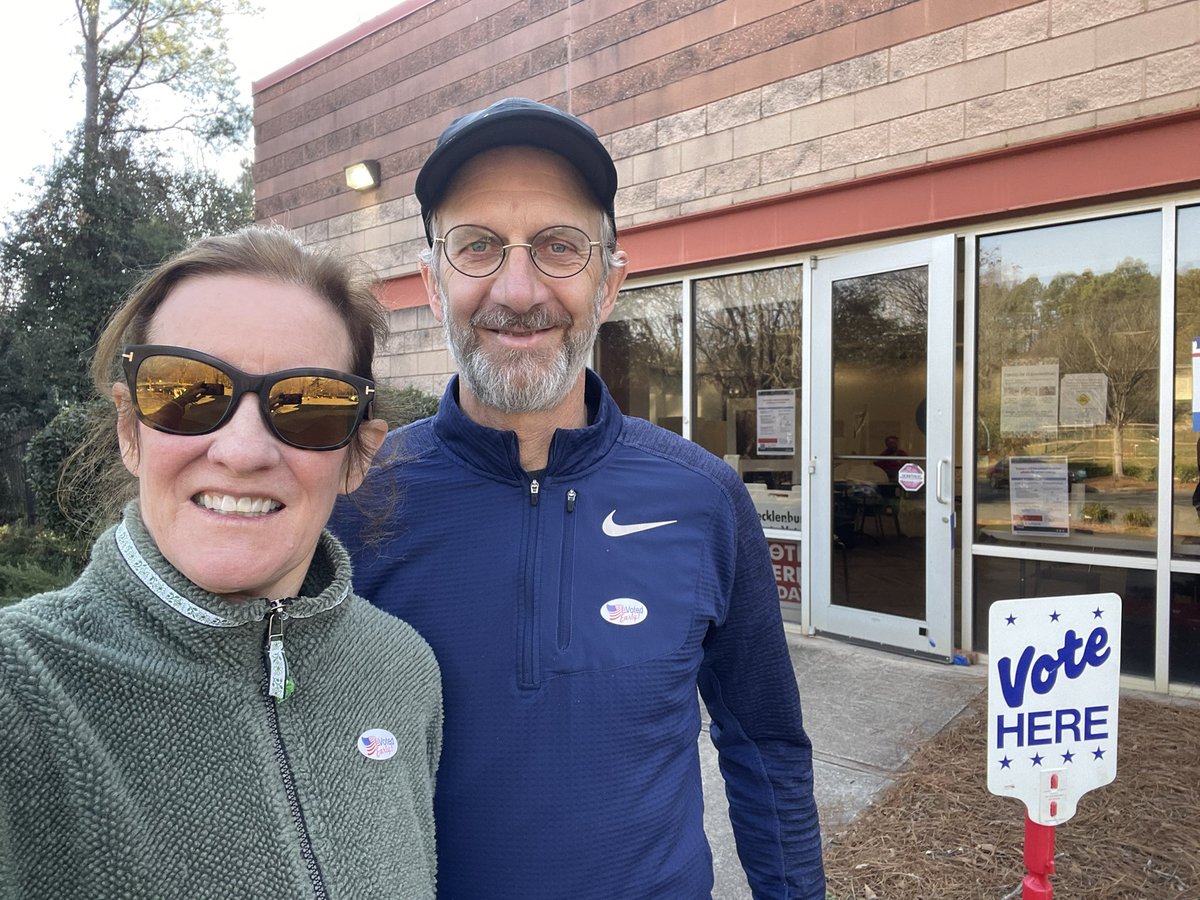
(378, 743)
(624, 611)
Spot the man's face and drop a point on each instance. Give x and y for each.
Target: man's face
(520, 338)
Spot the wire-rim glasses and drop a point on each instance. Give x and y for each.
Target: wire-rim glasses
(559, 251)
(178, 390)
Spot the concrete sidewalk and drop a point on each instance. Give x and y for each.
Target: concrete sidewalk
(866, 711)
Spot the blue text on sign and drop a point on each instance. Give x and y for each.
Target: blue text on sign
(1073, 657)
(1049, 726)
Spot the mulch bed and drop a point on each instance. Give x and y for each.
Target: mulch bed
(937, 834)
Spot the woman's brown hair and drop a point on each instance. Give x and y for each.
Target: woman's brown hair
(93, 476)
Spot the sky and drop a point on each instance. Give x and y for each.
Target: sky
(37, 69)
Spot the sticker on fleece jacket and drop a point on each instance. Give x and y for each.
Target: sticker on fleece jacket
(624, 611)
(377, 743)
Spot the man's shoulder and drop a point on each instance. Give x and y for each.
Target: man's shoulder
(406, 444)
(646, 437)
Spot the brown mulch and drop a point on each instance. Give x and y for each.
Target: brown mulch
(937, 834)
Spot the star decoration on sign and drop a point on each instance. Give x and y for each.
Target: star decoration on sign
(1037, 759)
(1068, 757)
(1011, 620)
(1005, 763)
(1098, 753)
(1054, 616)
(1098, 613)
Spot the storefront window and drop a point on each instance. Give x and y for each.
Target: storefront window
(1186, 494)
(1184, 644)
(1008, 579)
(639, 354)
(1184, 649)
(1067, 381)
(747, 342)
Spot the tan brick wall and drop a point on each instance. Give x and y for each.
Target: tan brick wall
(415, 354)
(707, 103)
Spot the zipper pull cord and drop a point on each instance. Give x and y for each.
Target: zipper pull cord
(279, 685)
(534, 487)
(571, 495)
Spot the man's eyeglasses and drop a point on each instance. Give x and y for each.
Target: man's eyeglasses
(182, 391)
(559, 251)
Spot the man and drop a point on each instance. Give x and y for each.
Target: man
(578, 574)
(891, 467)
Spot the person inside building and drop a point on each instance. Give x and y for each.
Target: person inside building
(578, 573)
(891, 467)
(209, 711)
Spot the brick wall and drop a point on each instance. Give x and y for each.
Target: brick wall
(415, 354)
(704, 103)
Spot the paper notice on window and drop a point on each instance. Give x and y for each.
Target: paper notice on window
(1083, 399)
(1029, 398)
(776, 422)
(1038, 495)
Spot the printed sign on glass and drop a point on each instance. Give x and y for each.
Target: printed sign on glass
(776, 422)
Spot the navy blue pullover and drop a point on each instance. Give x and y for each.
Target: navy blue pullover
(571, 647)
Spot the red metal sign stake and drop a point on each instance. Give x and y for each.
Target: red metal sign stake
(1039, 861)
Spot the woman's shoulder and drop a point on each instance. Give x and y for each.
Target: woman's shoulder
(390, 634)
(47, 611)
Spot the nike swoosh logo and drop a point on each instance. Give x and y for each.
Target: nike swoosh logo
(612, 529)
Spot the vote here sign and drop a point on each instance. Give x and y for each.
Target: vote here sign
(1054, 667)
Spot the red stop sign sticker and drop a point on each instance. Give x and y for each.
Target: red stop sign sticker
(911, 477)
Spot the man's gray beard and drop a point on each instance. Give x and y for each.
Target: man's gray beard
(517, 381)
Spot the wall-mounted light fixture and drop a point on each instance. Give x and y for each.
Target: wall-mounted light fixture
(363, 176)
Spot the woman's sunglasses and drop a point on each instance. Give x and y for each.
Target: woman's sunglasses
(182, 391)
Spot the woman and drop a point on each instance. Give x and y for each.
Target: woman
(208, 711)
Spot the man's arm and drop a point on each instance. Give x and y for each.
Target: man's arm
(749, 688)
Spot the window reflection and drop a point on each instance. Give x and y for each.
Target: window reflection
(1066, 437)
(747, 339)
(880, 333)
(1007, 579)
(1184, 649)
(1186, 483)
(639, 354)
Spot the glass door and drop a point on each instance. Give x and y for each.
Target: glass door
(881, 457)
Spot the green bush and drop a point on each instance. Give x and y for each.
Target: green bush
(1139, 518)
(21, 581)
(1187, 472)
(1146, 472)
(399, 406)
(1098, 512)
(48, 450)
(33, 560)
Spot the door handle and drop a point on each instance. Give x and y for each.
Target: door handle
(938, 487)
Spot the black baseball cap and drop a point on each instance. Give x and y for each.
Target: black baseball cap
(516, 121)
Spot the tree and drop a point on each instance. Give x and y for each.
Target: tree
(1108, 323)
(113, 206)
(71, 258)
(131, 48)
(1088, 322)
(748, 332)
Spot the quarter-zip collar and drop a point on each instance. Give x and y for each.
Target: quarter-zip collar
(497, 453)
(192, 613)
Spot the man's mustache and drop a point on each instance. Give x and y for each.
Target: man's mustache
(499, 319)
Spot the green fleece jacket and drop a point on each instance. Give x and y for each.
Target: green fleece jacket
(142, 756)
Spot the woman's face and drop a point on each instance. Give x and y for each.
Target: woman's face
(191, 488)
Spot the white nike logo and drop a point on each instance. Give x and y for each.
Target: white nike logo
(612, 529)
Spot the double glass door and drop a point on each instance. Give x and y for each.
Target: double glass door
(881, 462)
